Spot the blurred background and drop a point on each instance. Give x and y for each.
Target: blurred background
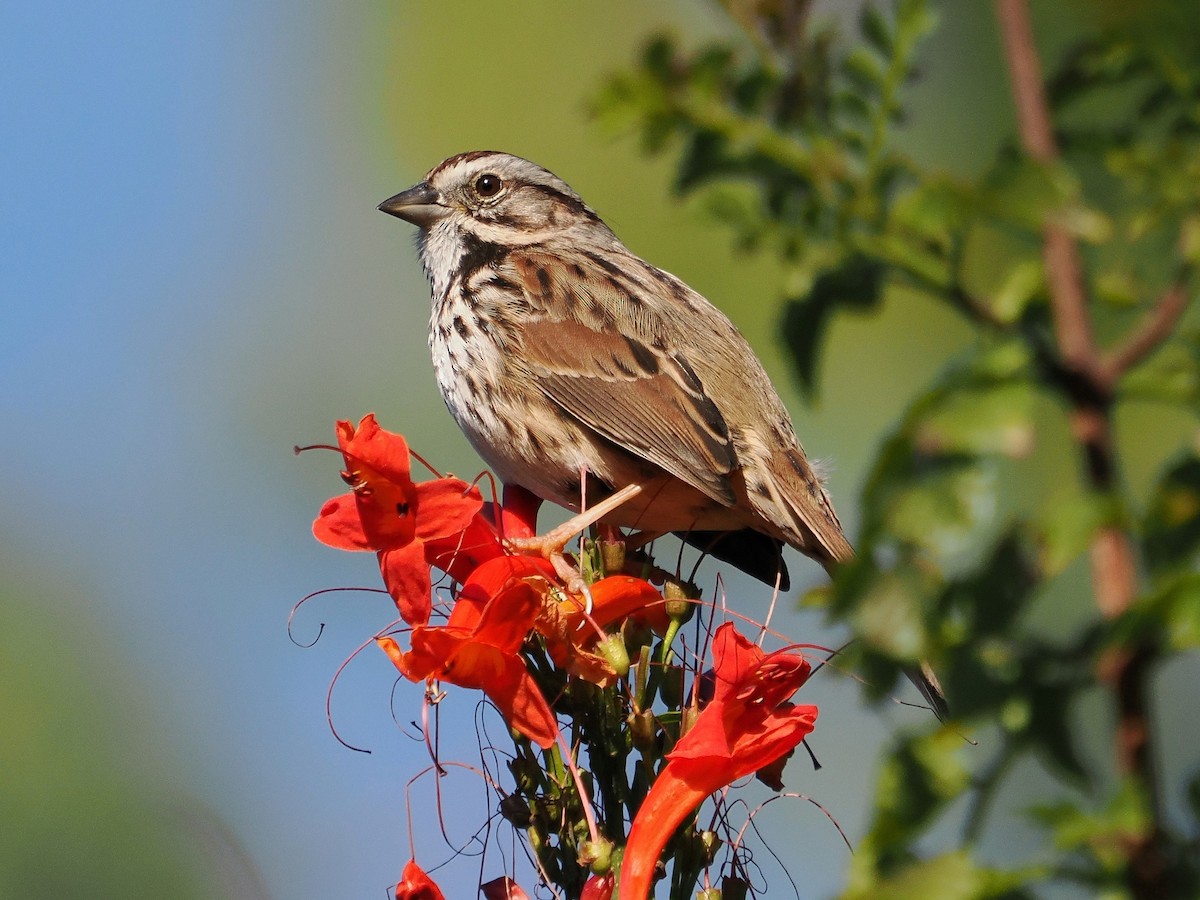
(195, 279)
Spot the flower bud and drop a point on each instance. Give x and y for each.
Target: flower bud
(687, 718)
(643, 730)
(526, 773)
(597, 855)
(680, 596)
(613, 651)
(670, 688)
(710, 843)
(515, 809)
(612, 555)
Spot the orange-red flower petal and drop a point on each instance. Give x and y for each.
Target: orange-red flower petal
(484, 655)
(416, 885)
(406, 577)
(383, 494)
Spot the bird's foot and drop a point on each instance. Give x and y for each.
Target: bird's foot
(550, 545)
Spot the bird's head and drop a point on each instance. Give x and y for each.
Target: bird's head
(492, 197)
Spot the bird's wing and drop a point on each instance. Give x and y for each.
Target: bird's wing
(629, 384)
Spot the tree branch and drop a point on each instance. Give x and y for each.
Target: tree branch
(1088, 384)
(1155, 327)
(1072, 324)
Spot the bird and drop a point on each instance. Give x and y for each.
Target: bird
(575, 369)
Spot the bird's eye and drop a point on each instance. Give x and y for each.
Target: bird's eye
(488, 185)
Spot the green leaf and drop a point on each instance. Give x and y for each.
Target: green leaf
(1189, 239)
(1170, 614)
(914, 20)
(934, 209)
(990, 419)
(1024, 281)
(1171, 529)
(996, 593)
(877, 30)
(915, 259)
(1181, 614)
(941, 508)
(1028, 194)
(952, 876)
(1172, 375)
(1066, 525)
(856, 283)
(1102, 836)
(1049, 729)
(864, 70)
(1118, 288)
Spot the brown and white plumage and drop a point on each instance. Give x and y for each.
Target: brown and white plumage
(560, 351)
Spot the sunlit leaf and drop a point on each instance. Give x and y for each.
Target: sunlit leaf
(1028, 194)
(935, 209)
(1101, 834)
(952, 876)
(985, 420)
(1172, 375)
(1067, 524)
(1023, 282)
(865, 69)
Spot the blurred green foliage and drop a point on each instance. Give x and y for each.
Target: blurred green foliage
(79, 817)
(786, 131)
(94, 797)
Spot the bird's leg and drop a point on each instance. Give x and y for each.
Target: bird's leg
(550, 545)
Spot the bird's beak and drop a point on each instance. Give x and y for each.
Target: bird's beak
(419, 205)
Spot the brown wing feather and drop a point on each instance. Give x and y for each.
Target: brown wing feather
(636, 391)
(635, 387)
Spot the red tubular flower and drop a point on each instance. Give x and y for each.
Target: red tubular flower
(571, 636)
(614, 598)
(599, 887)
(388, 513)
(747, 725)
(477, 648)
(416, 885)
(460, 554)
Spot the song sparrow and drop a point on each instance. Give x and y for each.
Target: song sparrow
(563, 356)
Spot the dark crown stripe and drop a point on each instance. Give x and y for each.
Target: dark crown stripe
(461, 158)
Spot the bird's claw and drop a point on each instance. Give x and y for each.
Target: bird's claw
(550, 545)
